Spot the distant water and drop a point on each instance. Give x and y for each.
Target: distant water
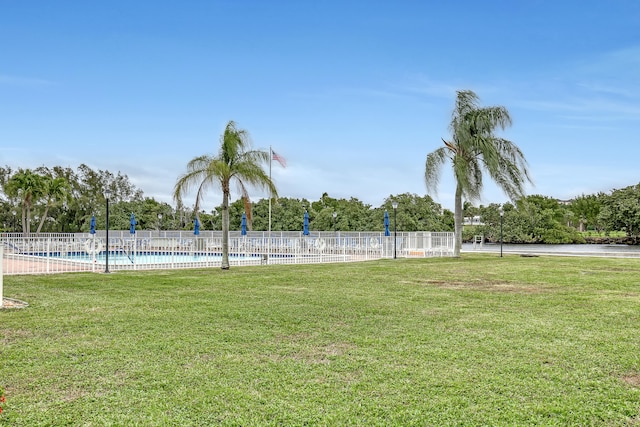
(573, 250)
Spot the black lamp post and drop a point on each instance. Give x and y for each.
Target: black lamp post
(501, 218)
(107, 194)
(335, 215)
(394, 204)
(15, 222)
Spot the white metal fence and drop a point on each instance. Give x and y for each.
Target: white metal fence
(57, 252)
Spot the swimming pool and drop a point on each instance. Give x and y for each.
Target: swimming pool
(77, 260)
(56, 253)
(147, 257)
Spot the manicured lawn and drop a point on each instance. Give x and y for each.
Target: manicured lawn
(473, 341)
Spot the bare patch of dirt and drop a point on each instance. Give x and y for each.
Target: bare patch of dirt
(324, 354)
(9, 336)
(632, 379)
(495, 286)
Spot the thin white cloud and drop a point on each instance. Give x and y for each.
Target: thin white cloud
(420, 84)
(620, 63)
(594, 106)
(23, 81)
(608, 89)
(578, 179)
(601, 84)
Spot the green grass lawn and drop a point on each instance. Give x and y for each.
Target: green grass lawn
(479, 340)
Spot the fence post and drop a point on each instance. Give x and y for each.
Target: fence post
(1, 272)
(49, 253)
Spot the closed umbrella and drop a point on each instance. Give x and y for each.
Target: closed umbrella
(132, 224)
(243, 225)
(386, 224)
(305, 224)
(93, 225)
(196, 227)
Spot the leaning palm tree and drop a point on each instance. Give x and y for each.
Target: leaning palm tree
(55, 191)
(474, 147)
(235, 161)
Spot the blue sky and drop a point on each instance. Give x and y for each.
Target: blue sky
(354, 94)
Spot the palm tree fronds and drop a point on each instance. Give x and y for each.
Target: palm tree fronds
(433, 167)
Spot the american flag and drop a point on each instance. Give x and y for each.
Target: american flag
(278, 158)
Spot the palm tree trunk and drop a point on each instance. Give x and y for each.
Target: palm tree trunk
(24, 219)
(457, 219)
(28, 205)
(44, 216)
(29, 220)
(225, 230)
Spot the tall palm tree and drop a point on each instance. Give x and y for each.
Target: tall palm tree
(235, 161)
(474, 147)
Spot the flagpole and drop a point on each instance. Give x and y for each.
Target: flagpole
(270, 197)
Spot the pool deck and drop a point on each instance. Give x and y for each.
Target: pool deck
(39, 266)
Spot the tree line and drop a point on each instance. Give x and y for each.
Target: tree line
(30, 204)
(61, 199)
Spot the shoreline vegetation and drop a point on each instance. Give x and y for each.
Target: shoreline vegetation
(627, 240)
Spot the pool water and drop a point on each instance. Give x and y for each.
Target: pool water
(149, 257)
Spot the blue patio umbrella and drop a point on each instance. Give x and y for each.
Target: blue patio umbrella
(305, 224)
(386, 224)
(93, 225)
(243, 225)
(196, 227)
(132, 224)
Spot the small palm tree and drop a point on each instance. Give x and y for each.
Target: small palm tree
(27, 186)
(235, 161)
(473, 148)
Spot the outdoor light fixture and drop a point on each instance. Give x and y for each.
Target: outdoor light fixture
(107, 195)
(159, 221)
(335, 215)
(394, 205)
(501, 218)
